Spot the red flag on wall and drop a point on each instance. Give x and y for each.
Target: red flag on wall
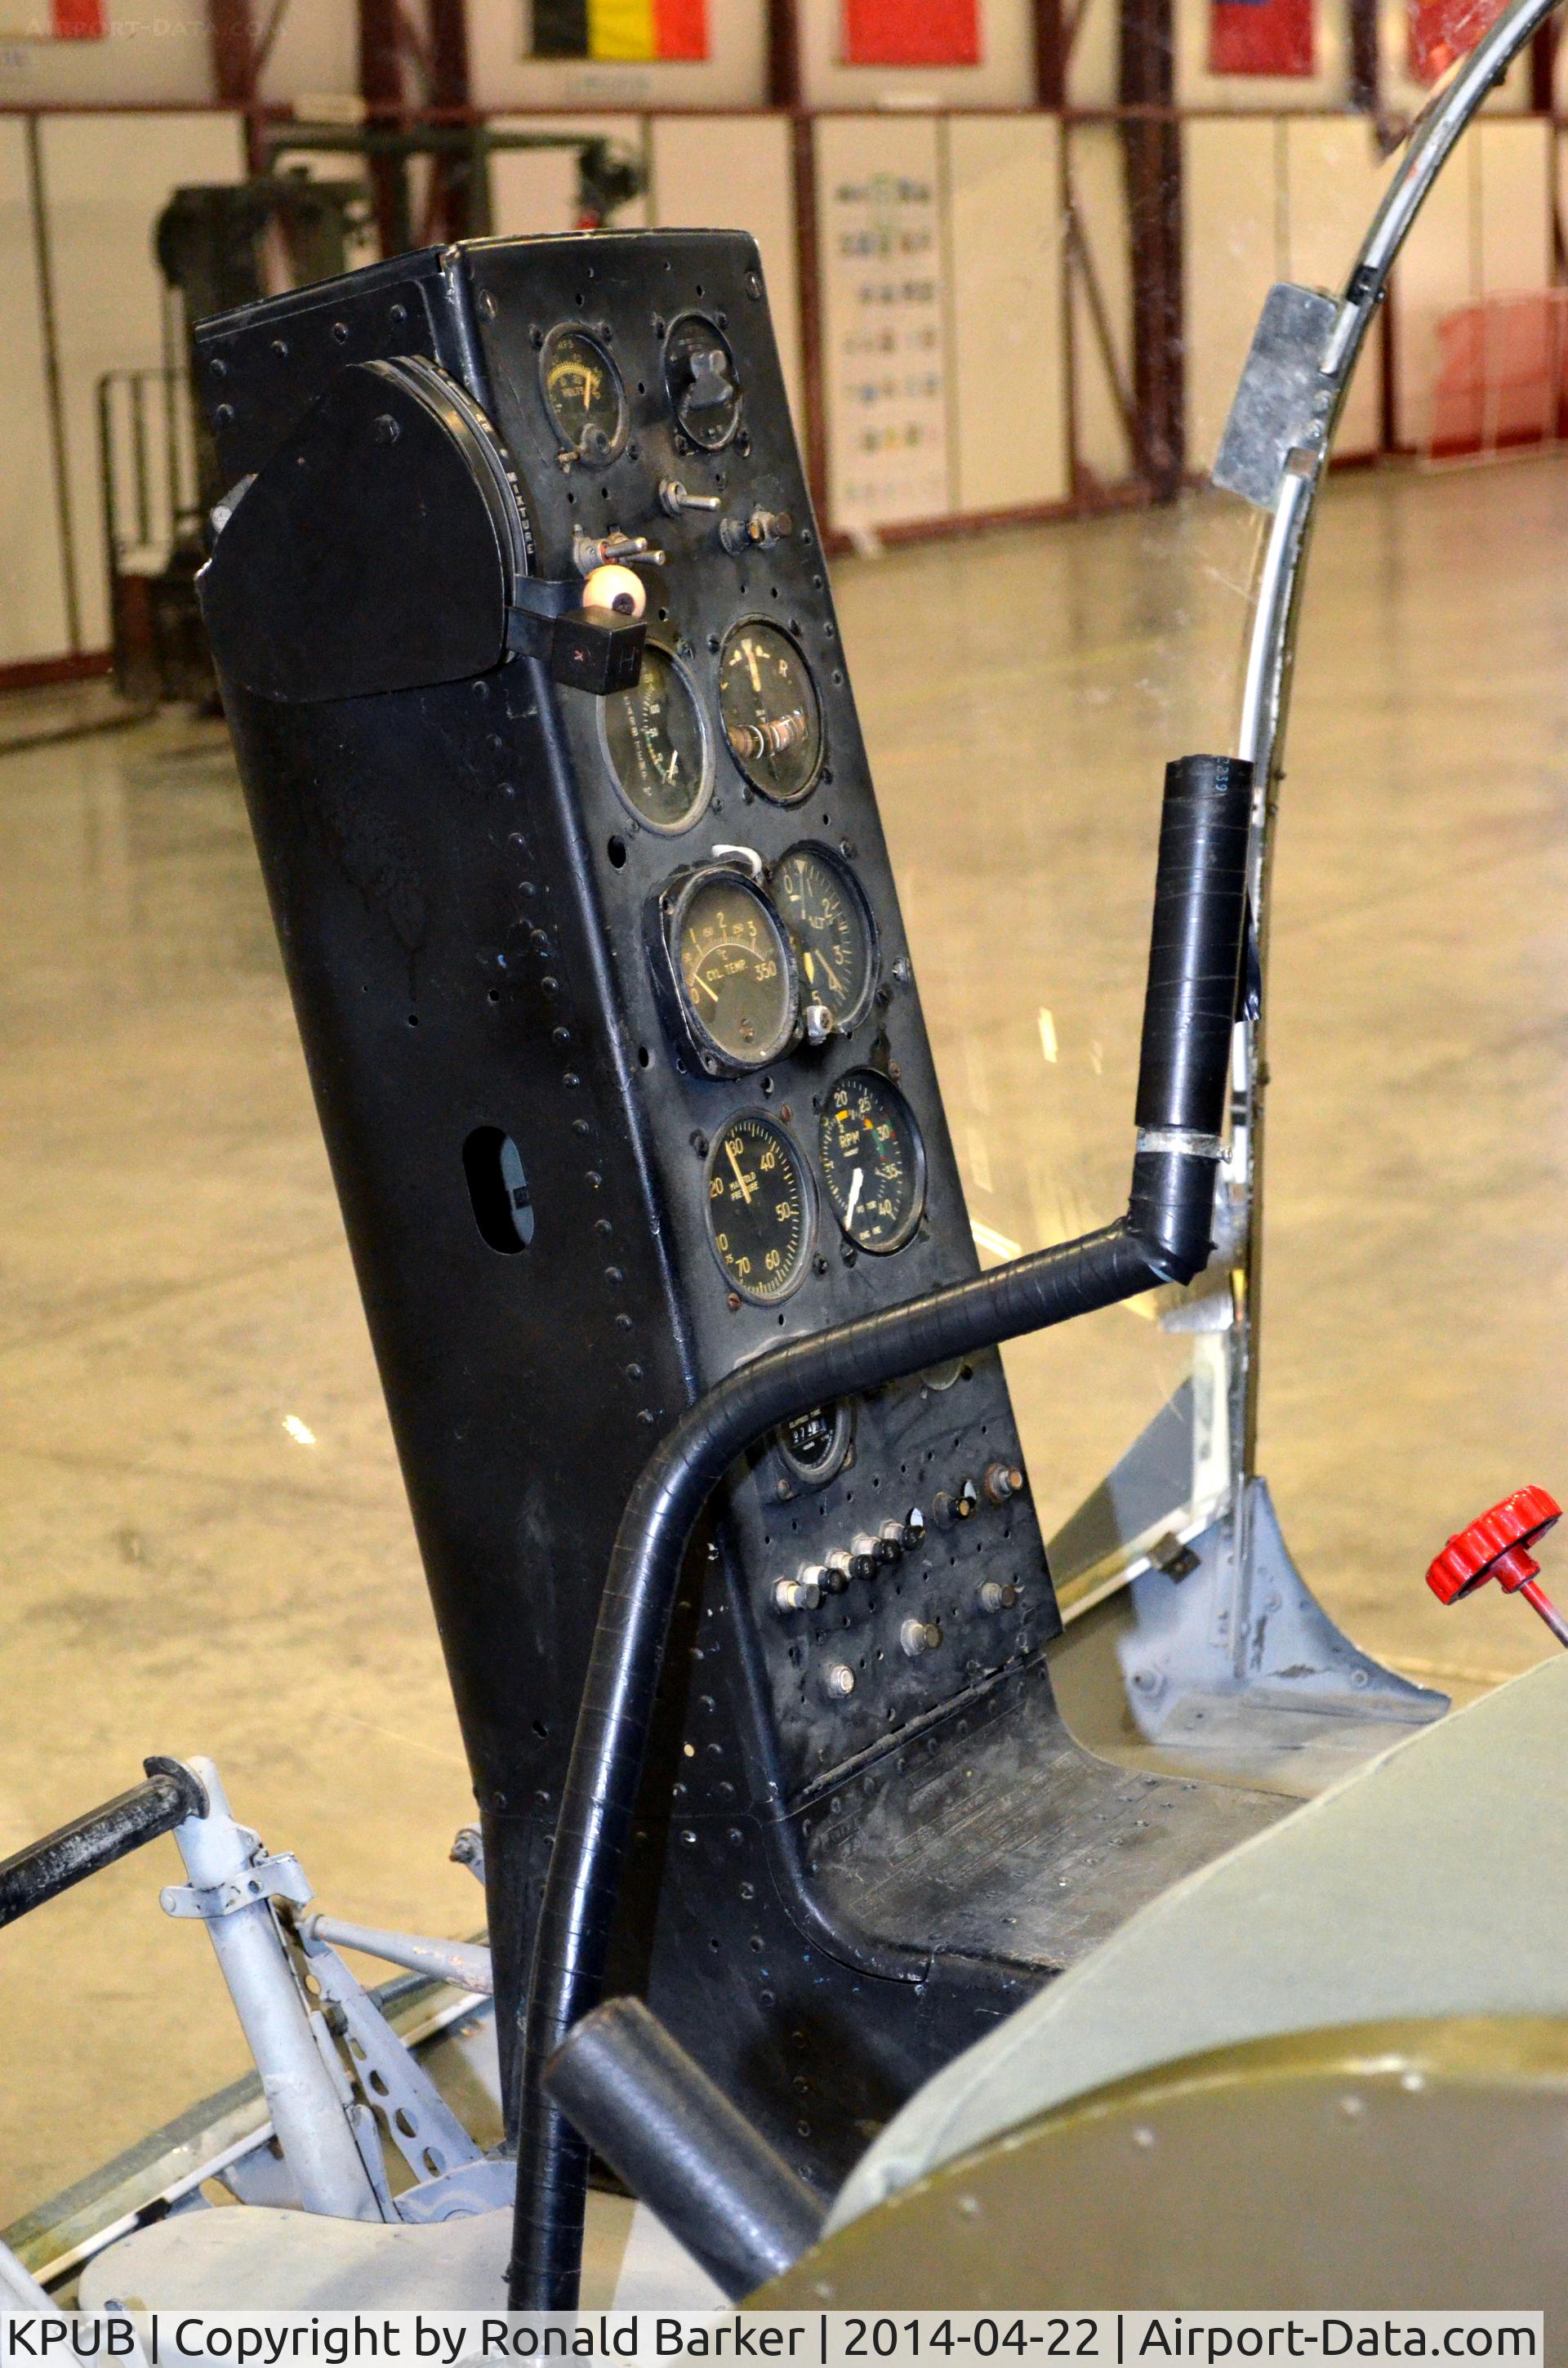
(911, 33)
(1262, 37)
(53, 20)
(1442, 31)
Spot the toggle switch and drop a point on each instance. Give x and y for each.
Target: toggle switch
(674, 498)
(758, 532)
(612, 548)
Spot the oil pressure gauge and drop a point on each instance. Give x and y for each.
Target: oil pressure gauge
(760, 1213)
(821, 899)
(771, 713)
(873, 1161)
(725, 969)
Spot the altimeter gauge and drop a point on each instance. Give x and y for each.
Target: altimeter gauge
(759, 1215)
(873, 1161)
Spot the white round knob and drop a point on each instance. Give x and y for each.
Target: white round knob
(620, 589)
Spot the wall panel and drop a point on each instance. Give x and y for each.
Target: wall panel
(1099, 195)
(107, 178)
(1438, 271)
(737, 172)
(1514, 196)
(1009, 362)
(33, 617)
(1233, 239)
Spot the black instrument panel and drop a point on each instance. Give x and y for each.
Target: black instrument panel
(537, 1035)
(724, 1022)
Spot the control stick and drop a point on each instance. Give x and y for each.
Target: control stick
(1497, 1545)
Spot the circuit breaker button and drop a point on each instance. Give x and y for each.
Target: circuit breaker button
(801, 1594)
(838, 1681)
(1002, 1481)
(918, 1636)
(997, 1595)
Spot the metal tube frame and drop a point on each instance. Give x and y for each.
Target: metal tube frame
(1278, 592)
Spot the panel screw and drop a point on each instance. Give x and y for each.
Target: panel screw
(384, 429)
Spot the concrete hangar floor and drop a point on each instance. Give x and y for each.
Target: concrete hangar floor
(205, 1544)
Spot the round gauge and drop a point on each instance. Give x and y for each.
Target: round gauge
(583, 395)
(758, 1208)
(738, 979)
(699, 378)
(874, 1160)
(771, 713)
(815, 1447)
(658, 745)
(823, 904)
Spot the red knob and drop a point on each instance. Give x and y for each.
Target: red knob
(1496, 1546)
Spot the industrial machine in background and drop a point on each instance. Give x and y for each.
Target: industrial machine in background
(553, 763)
(229, 243)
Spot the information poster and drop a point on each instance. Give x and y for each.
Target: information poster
(911, 33)
(1261, 37)
(883, 312)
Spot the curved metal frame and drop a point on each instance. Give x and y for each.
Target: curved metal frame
(1271, 652)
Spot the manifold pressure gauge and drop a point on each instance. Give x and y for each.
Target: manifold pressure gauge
(821, 902)
(725, 969)
(873, 1161)
(759, 1218)
(771, 713)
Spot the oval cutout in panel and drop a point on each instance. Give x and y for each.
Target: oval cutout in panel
(498, 1190)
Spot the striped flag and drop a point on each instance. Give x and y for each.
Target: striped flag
(620, 29)
(911, 33)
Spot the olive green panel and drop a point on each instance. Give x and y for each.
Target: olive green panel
(1400, 2165)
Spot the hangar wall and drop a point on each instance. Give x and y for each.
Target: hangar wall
(1012, 328)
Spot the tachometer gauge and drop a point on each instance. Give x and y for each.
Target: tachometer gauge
(583, 395)
(658, 745)
(873, 1161)
(771, 714)
(821, 902)
(758, 1208)
(731, 969)
(699, 378)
